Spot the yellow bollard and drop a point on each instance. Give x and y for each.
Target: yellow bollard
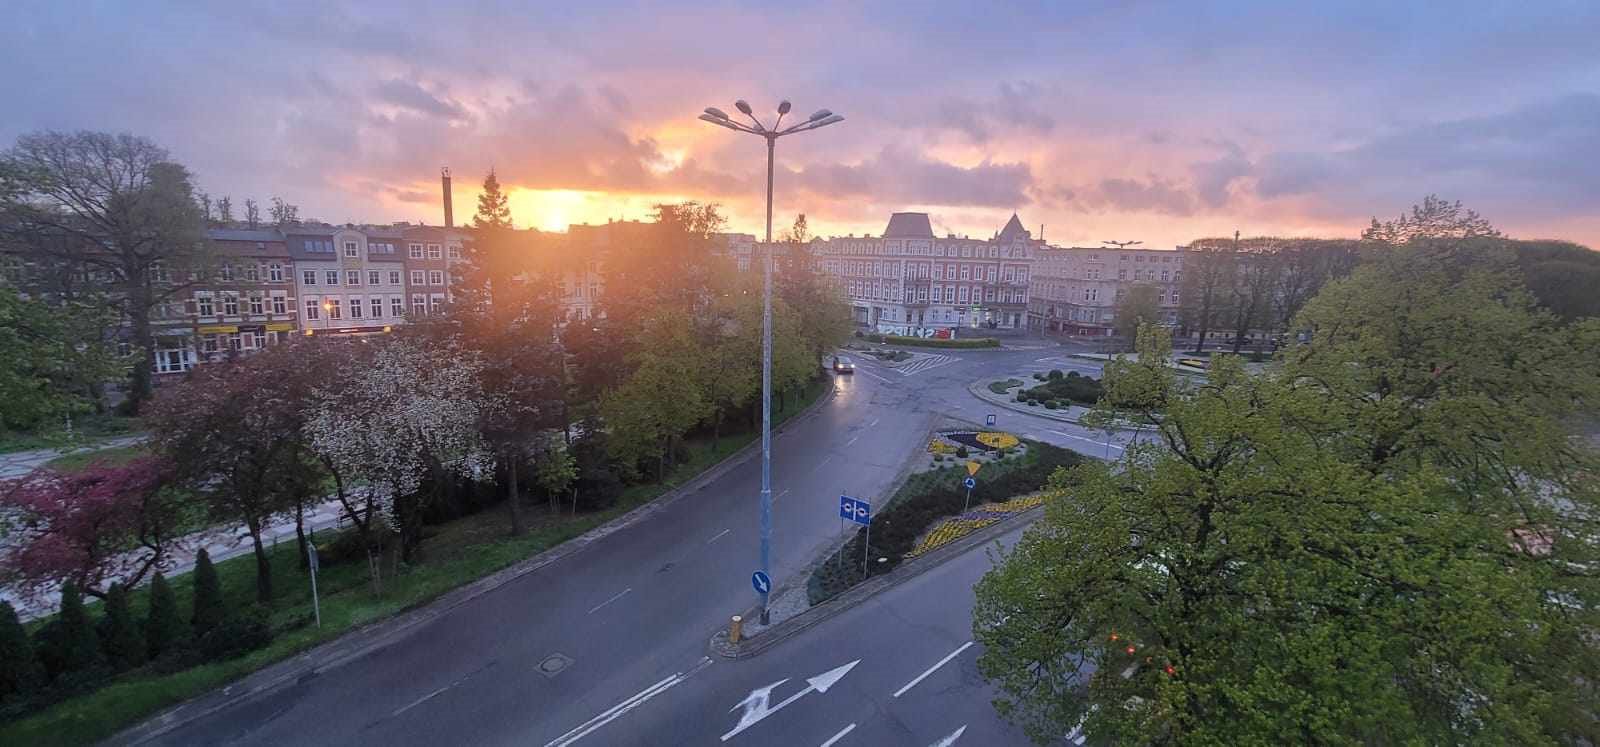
(735, 629)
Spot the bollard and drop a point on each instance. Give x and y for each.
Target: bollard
(735, 629)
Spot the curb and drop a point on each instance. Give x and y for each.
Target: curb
(906, 571)
(361, 641)
(978, 389)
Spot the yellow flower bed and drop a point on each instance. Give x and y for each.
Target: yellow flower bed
(937, 446)
(955, 528)
(997, 440)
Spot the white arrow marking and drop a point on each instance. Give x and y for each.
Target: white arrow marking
(951, 738)
(755, 704)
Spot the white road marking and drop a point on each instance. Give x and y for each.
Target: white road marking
(873, 375)
(719, 536)
(951, 738)
(931, 670)
(1090, 440)
(616, 711)
(851, 441)
(419, 701)
(821, 463)
(609, 601)
(873, 423)
(755, 704)
(839, 736)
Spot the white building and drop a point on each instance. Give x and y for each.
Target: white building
(1075, 289)
(348, 283)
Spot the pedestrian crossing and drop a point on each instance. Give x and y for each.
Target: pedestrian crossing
(932, 360)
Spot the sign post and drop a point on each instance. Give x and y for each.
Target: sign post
(860, 512)
(989, 420)
(311, 561)
(970, 482)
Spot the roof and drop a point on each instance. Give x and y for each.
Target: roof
(243, 234)
(1014, 229)
(909, 226)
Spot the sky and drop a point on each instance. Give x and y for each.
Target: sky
(1094, 121)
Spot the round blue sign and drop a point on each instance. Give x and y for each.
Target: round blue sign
(970, 482)
(761, 581)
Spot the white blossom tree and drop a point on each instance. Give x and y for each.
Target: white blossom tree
(399, 416)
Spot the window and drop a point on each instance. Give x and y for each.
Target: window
(377, 306)
(352, 277)
(257, 306)
(434, 252)
(235, 342)
(435, 277)
(275, 272)
(334, 309)
(966, 251)
(251, 272)
(280, 304)
(1174, 295)
(435, 303)
(416, 251)
(416, 277)
(374, 277)
(1122, 274)
(209, 344)
(355, 308)
(992, 271)
(332, 276)
(203, 305)
(1166, 275)
(313, 311)
(350, 249)
(259, 337)
(455, 252)
(309, 277)
(397, 306)
(394, 277)
(949, 294)
(225, 273)
(419, 304)
(594, 290)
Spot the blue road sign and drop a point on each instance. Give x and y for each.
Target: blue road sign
(989, 421)
(761, 581)
(855, 509)
(970, 482)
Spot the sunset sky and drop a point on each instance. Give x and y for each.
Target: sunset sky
(1148, 121)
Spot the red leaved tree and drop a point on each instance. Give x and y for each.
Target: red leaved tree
(102, 525)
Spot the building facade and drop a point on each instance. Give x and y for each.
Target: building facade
(247, 304)
(1075, 289)
(431, 256)
(910, 282)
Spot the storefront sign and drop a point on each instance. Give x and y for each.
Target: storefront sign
(219, 329)
(905, 330)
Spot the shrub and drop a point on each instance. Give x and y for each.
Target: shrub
(71, 645)
(1033, 403)
(1050, 404)
(19, 668)
(1055, 374)
(932, 342)
(1021, 397)
(238, 634)
(122, 641)
(163, 629)
(858, 334)
(1038, 377)
(1072, 374)
(208, 605)
(961, 452)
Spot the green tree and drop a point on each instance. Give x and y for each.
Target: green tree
(78, 647)
(1135, 308)
(660, 402)
(52, 355)
(123, 641)
(19, 668)
(114, 208)
(1375, 542)
(209, 609)
(163, 629)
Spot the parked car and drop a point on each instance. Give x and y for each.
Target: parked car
(843, 365)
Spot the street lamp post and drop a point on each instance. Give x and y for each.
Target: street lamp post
(717, 117)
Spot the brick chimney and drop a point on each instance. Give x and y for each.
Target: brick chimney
(444, 184)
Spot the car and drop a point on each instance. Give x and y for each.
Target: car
(843, 365)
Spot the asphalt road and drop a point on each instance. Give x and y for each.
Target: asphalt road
(634, 609)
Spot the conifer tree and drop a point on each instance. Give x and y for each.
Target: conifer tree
(123, 641)
(208, 605)
(19, 668)
(79, 645)
(163, 629)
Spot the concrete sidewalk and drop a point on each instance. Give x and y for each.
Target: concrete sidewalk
(19, 463)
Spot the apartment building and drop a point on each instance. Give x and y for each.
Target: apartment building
(1074, 290)
(431, 256)
(345, 286)
(910, 282)
(247, 303)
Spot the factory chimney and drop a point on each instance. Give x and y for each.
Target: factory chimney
(444, 184)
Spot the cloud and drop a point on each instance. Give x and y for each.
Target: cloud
(1155, 195)
(897, 175)
(1014, 107)
(1213, 178)
(410, 95)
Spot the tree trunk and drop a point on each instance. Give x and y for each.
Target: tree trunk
(138, 309)
(263, 564)
(514, 496)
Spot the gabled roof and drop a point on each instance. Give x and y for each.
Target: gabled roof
(909, 226)
(1014, 229)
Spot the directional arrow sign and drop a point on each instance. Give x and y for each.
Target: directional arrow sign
(970, 483)
(755, 704)
(761, 581)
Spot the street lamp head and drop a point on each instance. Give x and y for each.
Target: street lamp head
(742, 106)
(783, 107)
(715, 112)
(821, 114)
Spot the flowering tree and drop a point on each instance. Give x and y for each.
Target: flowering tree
(101, 525)
(233, 433)
(397, 414)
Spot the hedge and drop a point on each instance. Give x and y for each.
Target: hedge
(931, 342)
(927, 497)
(1060, 389)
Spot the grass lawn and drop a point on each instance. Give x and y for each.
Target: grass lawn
(115, 455)
(85, 430)
(456, 553)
